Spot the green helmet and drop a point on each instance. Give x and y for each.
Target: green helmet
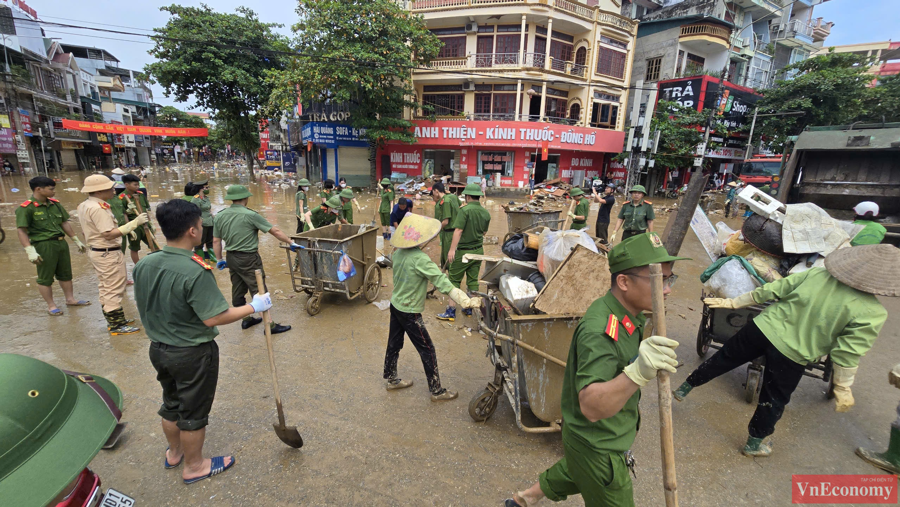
(236, 193)
(639, 188)
(303, 183)
(473, 189)
(575, 192)
(385, 181)
(639, 250)
(334, 202)
(346, 193)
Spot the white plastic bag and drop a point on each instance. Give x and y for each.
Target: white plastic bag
(518, 292)
(556, 246)
(723, 234)
(731, 280)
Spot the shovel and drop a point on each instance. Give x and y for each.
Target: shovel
(666, 437)
(288, 434)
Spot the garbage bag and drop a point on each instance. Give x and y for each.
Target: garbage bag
(538, 280)
(515, 248)
(346, 269)
(556, 246)
(729, 277)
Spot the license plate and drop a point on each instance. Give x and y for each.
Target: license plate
(115, 499)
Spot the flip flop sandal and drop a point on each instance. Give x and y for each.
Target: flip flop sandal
(83, 302)
(55, 313)
(216, 467)
(168, 465)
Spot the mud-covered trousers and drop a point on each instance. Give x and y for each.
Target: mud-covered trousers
(780, 377)
(413, 326)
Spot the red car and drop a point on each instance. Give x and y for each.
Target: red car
(759, 170)
(85, 491)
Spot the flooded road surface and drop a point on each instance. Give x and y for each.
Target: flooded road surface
(367, 446)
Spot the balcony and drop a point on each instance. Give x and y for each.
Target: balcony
(510, 62)
(821, 30)
(795, 33)
(706, 32)
(761, 7)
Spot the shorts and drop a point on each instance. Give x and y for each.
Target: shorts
(135, 244)
(55, 263)
(188, 376)
(385, 219)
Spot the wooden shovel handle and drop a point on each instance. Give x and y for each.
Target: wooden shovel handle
(666, 435)
(268, 330)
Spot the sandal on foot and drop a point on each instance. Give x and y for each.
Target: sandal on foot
(55, 312)
(168, 465)
(83, 302)
(512, 502)
(216, 467)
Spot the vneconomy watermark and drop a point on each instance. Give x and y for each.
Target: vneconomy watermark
(855, 489)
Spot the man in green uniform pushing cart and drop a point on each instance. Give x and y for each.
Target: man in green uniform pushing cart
(636, 215)
(609, 361)
(582, 209)
(326, 214)
(470, 224)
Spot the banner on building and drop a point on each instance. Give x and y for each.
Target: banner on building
(133, 129)
(107, 148)
(25, 118)
(273, 159)
(7, 141)
(4, 121)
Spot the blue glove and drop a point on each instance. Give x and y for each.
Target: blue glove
(294, 247)
(221, 264)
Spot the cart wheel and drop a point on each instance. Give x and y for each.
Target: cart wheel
(703, 340)
(753, 386)
(483, 405)
(372, 283)
(2, 235)
(313, 305)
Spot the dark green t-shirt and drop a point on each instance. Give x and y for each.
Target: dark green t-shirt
(43, 221)
(239, 227)
(582, 209)
(320, 217)
(175, 291)
(447, 207)
(595, 356)
(474, 221)
(635, 217)
(387, 200)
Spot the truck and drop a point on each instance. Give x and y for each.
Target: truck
(759, 170)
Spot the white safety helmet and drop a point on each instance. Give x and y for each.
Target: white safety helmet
(865, 208)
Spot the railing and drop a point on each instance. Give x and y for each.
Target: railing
(567, 67)
(437, 4)
(450, 63)
(616, 21)
(575, 8)
(483, 60)
(535, 60)
(508, 61)
(706, 29)
(493, 117)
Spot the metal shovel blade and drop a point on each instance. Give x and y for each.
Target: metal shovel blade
(289, 435)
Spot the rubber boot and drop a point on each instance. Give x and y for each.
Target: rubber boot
(888, 460)
(682, 391)
(755, 448)
(118, 324)
(449, 314)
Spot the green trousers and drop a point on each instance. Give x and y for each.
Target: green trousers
(470, 270)
(242, 267)
(602, 479)
(446, 241)
(56, 261)
(578, 226)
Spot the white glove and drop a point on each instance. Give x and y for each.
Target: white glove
(655, 353)
(33, 256)
(261, 302)
(131, 208)
(612, 238)
(843, 378)
(571, 215)
(463, 300)
(742, 301)
(141, 219)
(81, 246)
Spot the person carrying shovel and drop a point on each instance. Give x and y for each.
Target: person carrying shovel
(413, 269)
(582, 209)
(386, 193)
(609, 361)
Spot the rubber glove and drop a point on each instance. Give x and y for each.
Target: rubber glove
(131, 208)
(612, 238)
(894, 376)
(81, 246)
(221, 264)
(294, 247)
(742, 301)
(843, 378)
(571, 215)
(141, 219)
(261, 302)
(655, 353)
(463, 300)
(33, 256)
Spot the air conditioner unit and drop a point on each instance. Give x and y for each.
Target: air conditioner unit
(469, 86)
(745, 42)
(472, 27)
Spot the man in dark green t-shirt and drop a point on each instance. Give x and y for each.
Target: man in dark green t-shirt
(608, 363)
(582, 209)
(386, 194)
(446, 207)
(176, 294)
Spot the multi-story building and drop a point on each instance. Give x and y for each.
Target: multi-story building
(519, 86)
(885, 57)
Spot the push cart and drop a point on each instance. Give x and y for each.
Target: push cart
(718, 325)
(519, 221)
(314, 269)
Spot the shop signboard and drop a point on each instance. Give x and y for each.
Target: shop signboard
(333, 135)
(25, 118)
(287, 162)
(4, 121)
(7, 141)
(511, 134)
(406, 159)
(616, 171)
(734, 107)
(273, 159)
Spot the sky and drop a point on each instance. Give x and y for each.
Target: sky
(855, 21)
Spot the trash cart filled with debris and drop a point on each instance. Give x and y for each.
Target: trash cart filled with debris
(336, 258)
(522, 220)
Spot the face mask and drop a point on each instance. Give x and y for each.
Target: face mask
(304, 188)
(205, 191)
(343, 185)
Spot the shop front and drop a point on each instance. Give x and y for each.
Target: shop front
(505, 153)
(337, 151)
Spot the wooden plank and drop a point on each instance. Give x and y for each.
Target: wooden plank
(581, 278)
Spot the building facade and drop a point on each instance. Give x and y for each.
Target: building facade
(519, 87)
(885, 57)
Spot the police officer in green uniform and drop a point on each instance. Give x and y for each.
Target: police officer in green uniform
(302, 203)
(327, 190)
(201, 199)
(470, 224)
(637, 215)
(238, 227)
(126, 199)
(609, 361)
(347, 205)
(43, 225)
(446, 208)
(582, 209)
(326, 214)
(386, 191)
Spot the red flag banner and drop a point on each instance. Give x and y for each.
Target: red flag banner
(109, 128)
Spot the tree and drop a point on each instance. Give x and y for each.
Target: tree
(883, 103)
(681, 131)
(169, 116)
(220, 62)
(360, 52)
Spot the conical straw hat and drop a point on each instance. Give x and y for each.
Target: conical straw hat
(415, 230)
(870, 268)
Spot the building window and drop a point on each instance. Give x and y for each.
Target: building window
(653, 66)
(504, 103)
(491, 162)
(445, 104)
(483, 104)
(454, 47)
(510, 28)
(506, 88)
(459, 30)
(562, 36)
(507, 50)
(611, 62)
(604, 115)
(694, 65)
(614, 42)
(555, 108)
(575, 112)
(486, 29)
(560, 54)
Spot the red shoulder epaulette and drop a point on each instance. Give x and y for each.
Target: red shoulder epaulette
(122, 196)
(199, 260)
(612, 327)
(104, 205)
(52, 199)
(648, 202)
(197, 196)
(442, 201)
(628, 325)
(26, 203)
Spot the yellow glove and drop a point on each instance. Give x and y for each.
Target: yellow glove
(894, 376)
(655, 353)
(81, 247)
(463, 300)
(843, 378)
(141, 219)
(612, 238)
(33, 257)
(742, 301)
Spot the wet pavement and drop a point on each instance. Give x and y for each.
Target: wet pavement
(367, 446)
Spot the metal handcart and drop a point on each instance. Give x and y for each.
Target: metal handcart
(314, 269)
(718, 325)
(519, 221)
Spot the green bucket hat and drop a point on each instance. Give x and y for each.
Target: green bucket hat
(51, 426)
(334, 202)
(640, 250)
(575, 192)
(473, 189)
(236, 193)
(347, 193)
(303, 183)
(385, 181)
(639, 188)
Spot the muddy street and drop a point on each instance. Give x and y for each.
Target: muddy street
(367, 446)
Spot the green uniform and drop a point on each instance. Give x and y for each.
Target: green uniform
(872, 234)
(386, 206)
(239, 227)
(320, 217)
(188, 198)
(473, 220)
(635, 218)
(347, 212)
(594, 463)
(446, 209)
(326, 194)
(413, 269)
(135, 244)
(796, 327)
(205, 206)
(302, 205)
(582, 209)
(175, 291)
(44, 225)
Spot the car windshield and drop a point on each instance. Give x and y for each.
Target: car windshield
(760, 168)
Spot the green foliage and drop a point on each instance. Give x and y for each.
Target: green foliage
(218, 74)
(169, 116)
(357, 51)
(681, 132)
(883, 103)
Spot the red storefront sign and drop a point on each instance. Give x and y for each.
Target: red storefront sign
(406, 159)
(616, 171)
(107, 148)
(514, 134)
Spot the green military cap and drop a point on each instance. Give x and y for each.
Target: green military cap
(237, 192)
(303, 183)
(385, 181)
(639, 188)
(640, 250)
(347, 193)
(51, 427)
(575, 192)
(473, 189)
(334, 202)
